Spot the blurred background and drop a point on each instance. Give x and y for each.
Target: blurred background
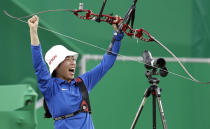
(183, 26)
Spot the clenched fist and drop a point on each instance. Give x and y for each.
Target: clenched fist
(33, 23)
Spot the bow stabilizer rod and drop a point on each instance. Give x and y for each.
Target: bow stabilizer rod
(98, 19)
(121, 26)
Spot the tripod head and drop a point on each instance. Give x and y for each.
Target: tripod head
(152, 80)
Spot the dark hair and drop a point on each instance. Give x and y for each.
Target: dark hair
(54, 73)
(47, 112)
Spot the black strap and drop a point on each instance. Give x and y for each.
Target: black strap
(85, 104)
(67, 116)
(109, 50)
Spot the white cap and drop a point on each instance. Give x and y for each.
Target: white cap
(56, 55)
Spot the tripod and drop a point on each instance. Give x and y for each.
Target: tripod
(155, 91)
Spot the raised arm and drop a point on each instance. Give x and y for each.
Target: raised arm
(40, 67)
(93, 76)
(33, 25)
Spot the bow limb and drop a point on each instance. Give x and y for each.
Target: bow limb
(140, 34)
(89, 15)
(180, 63)
(56, 10)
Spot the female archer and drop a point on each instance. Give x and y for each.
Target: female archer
(66, 97)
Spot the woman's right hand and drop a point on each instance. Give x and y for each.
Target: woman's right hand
(33, 23)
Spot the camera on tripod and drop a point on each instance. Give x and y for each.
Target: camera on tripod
(152, 65)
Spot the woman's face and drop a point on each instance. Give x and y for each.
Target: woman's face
(66, 69)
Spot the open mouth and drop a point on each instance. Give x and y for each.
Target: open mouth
(72, 70)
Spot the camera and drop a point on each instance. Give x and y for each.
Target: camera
(154, 64)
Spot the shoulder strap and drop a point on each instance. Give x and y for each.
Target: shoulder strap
(85, 104)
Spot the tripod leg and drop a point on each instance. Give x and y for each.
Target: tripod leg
(138, 113)
(161, 108)
(146, 95)
(154, 110)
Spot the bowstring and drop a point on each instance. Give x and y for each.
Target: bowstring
(84, 42)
